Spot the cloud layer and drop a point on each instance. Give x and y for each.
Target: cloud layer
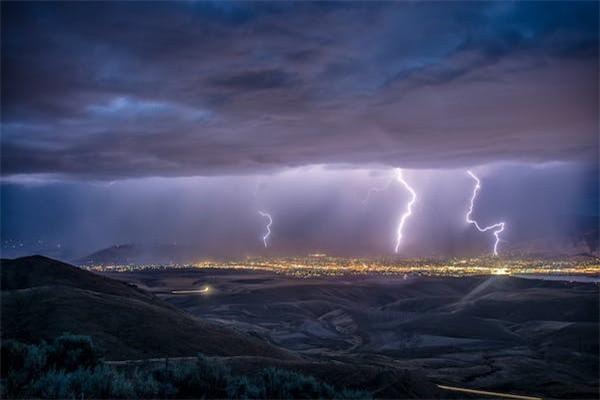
(115, 90)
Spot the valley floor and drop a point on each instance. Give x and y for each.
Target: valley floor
(498, 333)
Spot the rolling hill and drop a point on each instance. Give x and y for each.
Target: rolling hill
(43, 298)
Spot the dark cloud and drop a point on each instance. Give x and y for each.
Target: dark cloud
(255, 80)
(110, 90)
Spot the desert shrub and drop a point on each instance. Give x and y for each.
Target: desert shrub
(241, 387)
(204, 379)
(283, 384)
(14, 378)
(51, 385)
(102, 382)
(99, 383)
(40, 370)
(167, 390)
(146, 387)
(208, 379)
(21, 364)
(158, 383)
(170, 379)
(13, 355)
(36, 361)
(211, 379)
(349, 394)
(70, 368)
(70, 352)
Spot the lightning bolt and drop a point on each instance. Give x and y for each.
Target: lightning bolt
(268, 233)
(496, 228)
(408, 212)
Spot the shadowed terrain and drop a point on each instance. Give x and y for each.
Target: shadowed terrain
(501, 333)
(43, 298)
(395, 337)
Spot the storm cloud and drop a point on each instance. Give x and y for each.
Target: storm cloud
(130, 89)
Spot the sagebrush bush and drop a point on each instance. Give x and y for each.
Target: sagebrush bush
(102, 382)
(13, 354)
(51, 385)
(283, 384)
(70, 352)
(241, 387)
(146, 387)
(351, 394)
(70, 368)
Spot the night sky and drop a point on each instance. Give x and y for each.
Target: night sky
(176, 122)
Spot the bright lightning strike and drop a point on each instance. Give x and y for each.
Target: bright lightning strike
(268, 233)
(408, 212)
(496, 228)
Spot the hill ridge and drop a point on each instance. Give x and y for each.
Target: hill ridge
(43, 298)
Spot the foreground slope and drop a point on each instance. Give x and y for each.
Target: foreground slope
(497, 333)
(42, 298)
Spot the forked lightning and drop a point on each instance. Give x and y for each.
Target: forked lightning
(497, 228)
(409, 206)
(269, 223)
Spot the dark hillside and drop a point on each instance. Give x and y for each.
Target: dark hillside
(36, 271)
(42, 298)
